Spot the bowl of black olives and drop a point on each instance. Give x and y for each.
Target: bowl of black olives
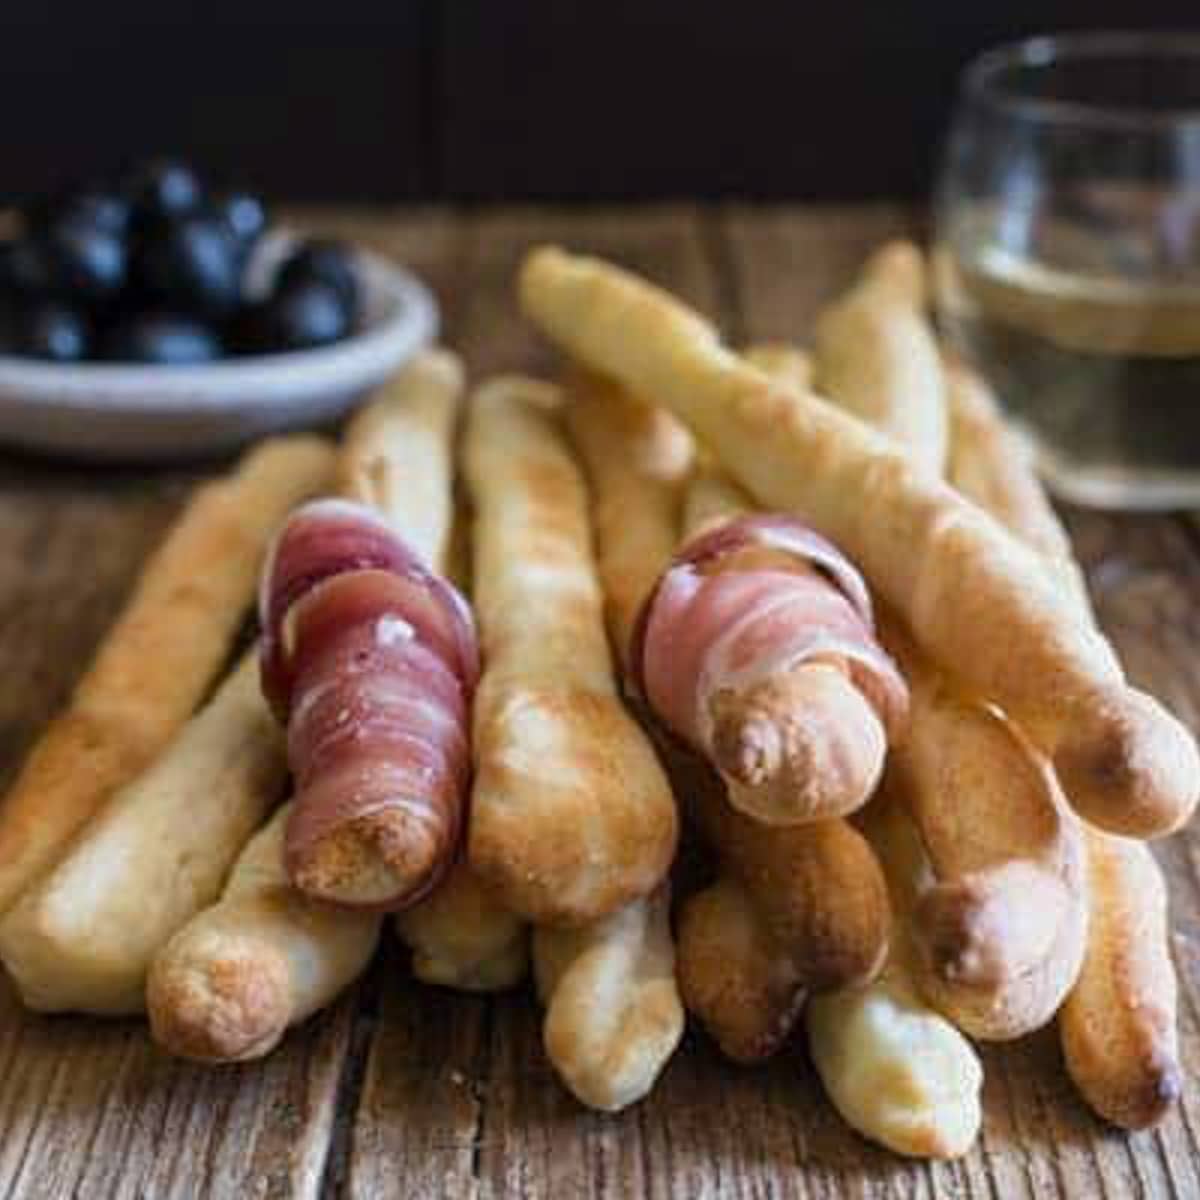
(154, 317)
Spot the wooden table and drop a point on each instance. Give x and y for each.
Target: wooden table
(405, 1091)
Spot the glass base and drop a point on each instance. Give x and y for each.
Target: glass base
(1111, 486)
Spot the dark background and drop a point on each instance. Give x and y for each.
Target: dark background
(404, 100)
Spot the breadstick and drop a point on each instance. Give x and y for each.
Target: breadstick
(462, 936)
(993, 878)
(992, 465)
(635, 457)
(83, 937)
(897, 1072)
(876, 356)
(1118, 1025)
(785, 363)
(397, 453)
(613, 1014)
(975, 598)
(571, 813)
(732, 975)
(159, 658)
(711, 498)
(228, 985)
(375, 669)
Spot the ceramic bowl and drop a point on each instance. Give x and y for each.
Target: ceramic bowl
(134, 412)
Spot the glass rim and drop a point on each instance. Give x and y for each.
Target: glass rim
(979, 78)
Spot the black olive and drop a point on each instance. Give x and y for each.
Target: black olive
(52, 331)
(192, 264)
(162, 189)
(24, 268)
(98, 206)
(302, 316)
(88, 264)
(161, 337)
(244, 216)
(327, 262)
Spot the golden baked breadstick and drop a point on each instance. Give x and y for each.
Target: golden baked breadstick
(897, 1072)
(992, 465)
(785, 363)
(571, 814)
(732, 975)
(397, 453)
(228, 985)
(976, 599)
(993, 879)
(635, 456)
(157, 661)
(1118, 1026)
(83, 937)
(876, 356)
(613, 1014)
(711, 497)
(463, 936)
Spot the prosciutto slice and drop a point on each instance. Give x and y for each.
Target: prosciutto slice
(369, 658)
(711, 624)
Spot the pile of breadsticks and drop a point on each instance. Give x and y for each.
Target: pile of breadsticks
(810, 611)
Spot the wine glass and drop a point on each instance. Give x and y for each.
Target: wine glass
(1067, 256)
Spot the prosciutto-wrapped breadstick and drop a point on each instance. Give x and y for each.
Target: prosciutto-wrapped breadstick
(613, 1014)
(976, 599)
(572, 815)
(897, 1072)
(1118, 1025)
(369, 656)
(757, 648)
(83, 937)
(229, 984)
(159, 658)
(876, 355)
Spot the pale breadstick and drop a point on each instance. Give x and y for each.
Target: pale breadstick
(83, 937)
(876, 356)
(897, 1072)
(785, 363)
(571, 814)
(993, 878)
(229, 984)
(635, 456)
(463, 936)
(397, 453)
(613, 1014)
(157, 661)
(1118, 1025)
(977, 600)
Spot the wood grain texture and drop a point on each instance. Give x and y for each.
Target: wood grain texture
(408, 1091)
